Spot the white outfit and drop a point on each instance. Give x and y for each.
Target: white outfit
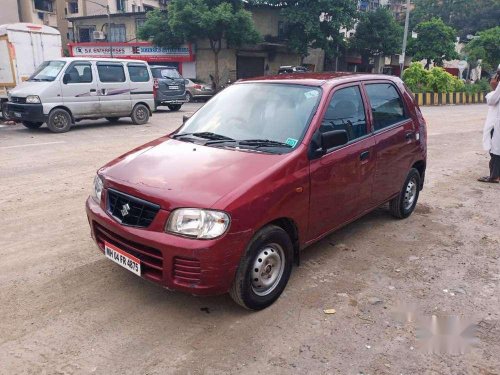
(492, 144)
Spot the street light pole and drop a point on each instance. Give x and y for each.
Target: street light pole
(405, 38)
(109, 32)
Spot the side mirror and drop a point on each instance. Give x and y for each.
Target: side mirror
(333, 139)
(185, 118)
(66, 78)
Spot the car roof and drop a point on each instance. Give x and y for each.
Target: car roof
(319, 79)
(162, 67)
(106, 59)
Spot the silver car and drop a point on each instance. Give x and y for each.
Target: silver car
(196, 89)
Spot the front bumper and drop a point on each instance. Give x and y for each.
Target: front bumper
(199, 267)
(25, 112)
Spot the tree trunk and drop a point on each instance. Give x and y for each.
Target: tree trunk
(427, 64)
(216, 46)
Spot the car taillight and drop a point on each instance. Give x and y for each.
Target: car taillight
(156, 85)
(197, 87)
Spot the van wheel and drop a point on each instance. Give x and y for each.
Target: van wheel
(174, 107)
(59, 121)
(140, 114)
(112, 119)
(5, 115)
(264, 269)
(32, 124)
(403, 205)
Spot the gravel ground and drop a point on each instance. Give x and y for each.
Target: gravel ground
(65, 309)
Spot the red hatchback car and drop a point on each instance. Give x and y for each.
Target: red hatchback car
(263, 170)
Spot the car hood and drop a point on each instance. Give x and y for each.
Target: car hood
(176, 174)
(30, 88)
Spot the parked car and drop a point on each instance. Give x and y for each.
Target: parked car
(288, 69)
(196, 89)
(169, 87)
(71, 89)
(266, 168)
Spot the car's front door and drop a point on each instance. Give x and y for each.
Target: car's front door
(395, 139)
(341, 180)
(114, 89)
(79, 89)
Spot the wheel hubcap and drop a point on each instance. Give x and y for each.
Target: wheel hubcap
(268, 269)
(410, 194)
(60, 121)
(140, 113)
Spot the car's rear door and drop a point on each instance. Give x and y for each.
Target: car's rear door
(113, 89)
(395, 138)
(341, 180)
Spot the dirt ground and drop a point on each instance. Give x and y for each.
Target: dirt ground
(66, 309)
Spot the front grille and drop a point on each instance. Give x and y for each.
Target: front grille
(130, 210)
(151, 258)
(17, 99)
(187, 271)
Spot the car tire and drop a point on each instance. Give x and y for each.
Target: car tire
(140, 114)
(404, 204)
(32, 124)
(189, 97)
(59, 121)
(5, 115)
(112, 119)
(264, 269)
(174, 107)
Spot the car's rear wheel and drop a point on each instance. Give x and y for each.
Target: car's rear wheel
(404, 204)
(264, 269)
(189, 96)
(59, 120)
(140, 114)
(32, 124)
(112, 119)
(174, 107)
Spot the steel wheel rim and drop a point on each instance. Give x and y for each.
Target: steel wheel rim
(189, 97)
(60, 121)
(268, 269)
(140, 113)
(410, 194)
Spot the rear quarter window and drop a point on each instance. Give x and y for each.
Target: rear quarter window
(386, 104)
(138, 73)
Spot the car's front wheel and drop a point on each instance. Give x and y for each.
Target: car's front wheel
(404, 204)
(59, 121)
(264, 269)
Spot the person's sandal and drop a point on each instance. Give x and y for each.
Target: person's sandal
(488, 179)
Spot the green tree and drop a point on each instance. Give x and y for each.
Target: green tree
(465, 16)
(377, 33)
(314, 23)
(435, 42)
(485, 46)
(191, 20)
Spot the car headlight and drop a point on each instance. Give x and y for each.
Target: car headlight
(32, 99)
(198, 223)
(97, 190)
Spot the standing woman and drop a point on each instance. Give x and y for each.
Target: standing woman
(491, 132)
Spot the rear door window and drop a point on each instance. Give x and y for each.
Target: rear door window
(386, 105)
(110, 72)
(346, 111)
(138, 73)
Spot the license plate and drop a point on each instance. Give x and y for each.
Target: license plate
(124, 259)
(18, 114)
(173, 87)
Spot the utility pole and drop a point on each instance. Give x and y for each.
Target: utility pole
(109, 24)
(405, 38)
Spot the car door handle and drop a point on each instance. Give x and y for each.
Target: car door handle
(93, 90)
(409, 136)
(364, 155)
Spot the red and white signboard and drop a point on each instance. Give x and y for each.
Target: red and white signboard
(140, 51)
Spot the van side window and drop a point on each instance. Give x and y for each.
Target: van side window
(138, 73)
(110, 72)
(79, 72)
(346, 112)
(386, 104)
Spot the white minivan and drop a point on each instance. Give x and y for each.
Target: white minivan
(63, 91)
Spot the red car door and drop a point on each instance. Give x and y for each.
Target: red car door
(395, 138)
(341, 180)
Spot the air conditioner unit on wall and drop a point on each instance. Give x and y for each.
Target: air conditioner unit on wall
(98, 35)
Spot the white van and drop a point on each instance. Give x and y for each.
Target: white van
(66, 90)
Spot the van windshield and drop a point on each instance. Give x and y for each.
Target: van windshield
(273, 117)
(47, 71)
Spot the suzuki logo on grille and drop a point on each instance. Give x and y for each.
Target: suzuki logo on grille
(125, 209)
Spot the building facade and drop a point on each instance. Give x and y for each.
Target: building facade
(10, 12)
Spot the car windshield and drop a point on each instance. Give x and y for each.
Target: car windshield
(256, 114)
(165, 73)
(48, 71)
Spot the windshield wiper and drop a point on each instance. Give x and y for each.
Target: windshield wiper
(205, 135)
(263, 143)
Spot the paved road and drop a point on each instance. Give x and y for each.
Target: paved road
(65, 309)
